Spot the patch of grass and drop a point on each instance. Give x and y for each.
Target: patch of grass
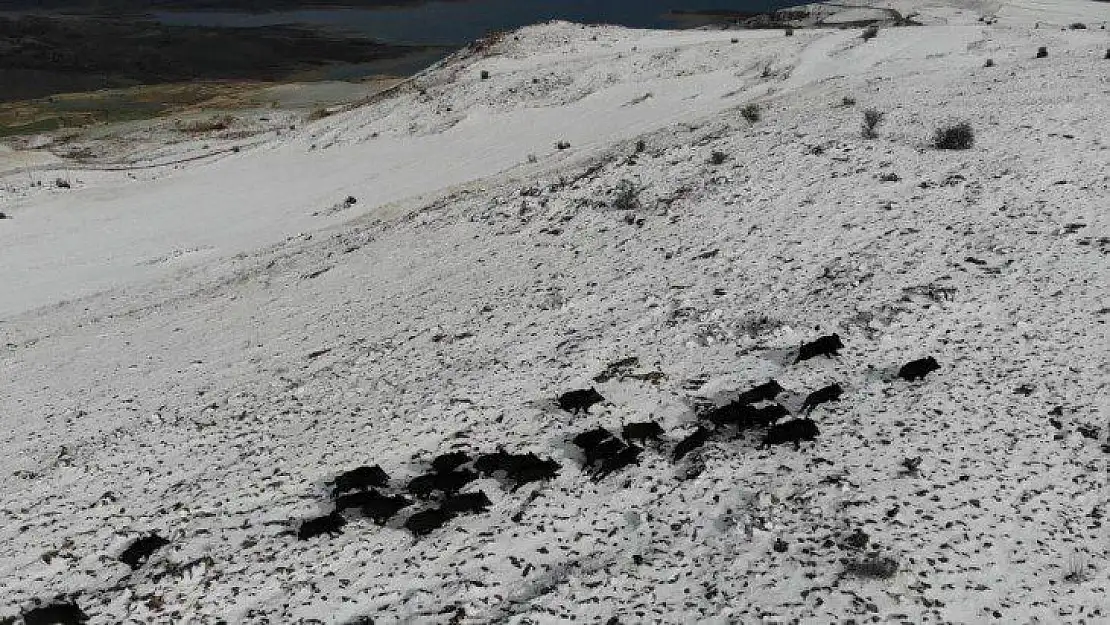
(752, 112)
(212, 124)
(959, 136)
(871, 119)
(1076, 570)
(320, 113)
(717, 158)
(49, 124)
(75, 110)
(627, 196)
(871, 566)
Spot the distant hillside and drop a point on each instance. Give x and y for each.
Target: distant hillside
(113, 7)
(40, 56)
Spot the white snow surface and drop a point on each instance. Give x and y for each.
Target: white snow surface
(198, 349)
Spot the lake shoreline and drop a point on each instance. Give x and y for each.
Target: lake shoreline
(53, 86)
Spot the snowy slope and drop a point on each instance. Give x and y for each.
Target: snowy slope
(247, 351)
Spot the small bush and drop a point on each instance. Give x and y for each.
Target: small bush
(789, 31)
(989, 63)
(717, 157)
(214, 124)
(627, 196)
(1076, 570)
(1107, 57)
(319, 114)
(955, 137)
(871, 119)
(562, 145)
(872, 566)
(62, 183)
(1042, 52)
(869, 33)
(641, 145)
(485, 75)
(1078, 26)
(848, 101)
(751, 112)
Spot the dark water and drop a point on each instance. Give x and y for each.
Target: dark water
(460, 22)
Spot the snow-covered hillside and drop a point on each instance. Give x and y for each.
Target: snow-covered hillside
(197, 351)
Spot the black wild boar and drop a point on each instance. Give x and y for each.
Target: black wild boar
(373, 504)
(446, 483)
(488, 464)
(598, 444)
(829, 393)
(356, 499)
(793, 431)
(532, 471)
(361, 478)
(764, 392)
(738, 414)
(605, 450)
(592, 438)
(628, 456)
(580, 400)
(427, 521)
(138, 552)
(57, 613)
(467, 503)
(642, 431)
(691, 442)
(330, 524)
(918, 369)
(383, 508)
(823, 346)
(450, 461)
(771, 413)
